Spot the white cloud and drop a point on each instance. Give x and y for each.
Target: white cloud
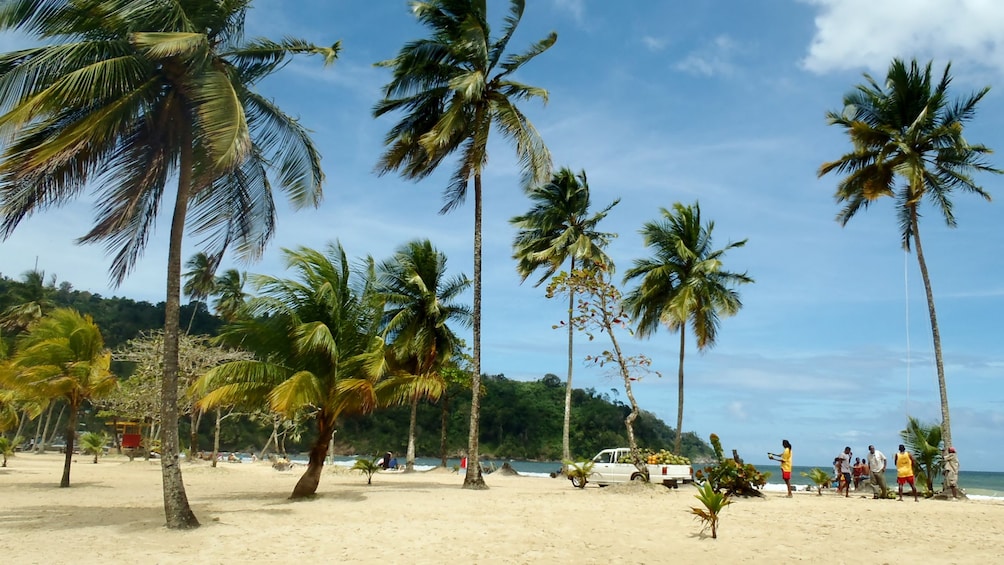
(865, 33)
(653, 43)
(714, 58)
(576, 7)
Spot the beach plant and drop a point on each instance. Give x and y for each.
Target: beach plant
(63, 356)
(730, 475)
(819, 477)
(7, 446)
(714, 502)
(123, 97)
(451, 89)
(683, 283)
(94, 444)
(909, 145)
(579, 471)
(317, 349)
(559, 227)
(599, 310)
(924, 442)
(420, 303)
(367, 467)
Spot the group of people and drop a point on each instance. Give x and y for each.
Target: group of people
(874, 467)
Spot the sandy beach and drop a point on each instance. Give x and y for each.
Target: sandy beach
(113, 513)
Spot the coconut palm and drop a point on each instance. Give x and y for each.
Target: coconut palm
(127, 94)
(683, 282)
(314, 339)
(909, 145)
(420, 303)
(200, 281)
(558, 228)
(30, 300)
(94, 444)
(924, 442)
(63, 356)
(452, 88)
(230, 295)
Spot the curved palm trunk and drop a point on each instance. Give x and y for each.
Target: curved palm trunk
(71, 432)
(410, 464)
(679, 407)
(179, 513)
(566, 452)
(307, 485)
(946, 422)
(629, 421)
(473, 478)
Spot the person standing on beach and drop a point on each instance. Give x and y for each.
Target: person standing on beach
(876, 460)
(904, 471)
(844, 460)
(785, 459)
(951, 470)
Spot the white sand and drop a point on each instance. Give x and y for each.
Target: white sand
(113, 513)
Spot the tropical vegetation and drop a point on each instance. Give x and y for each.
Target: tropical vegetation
(558, 227)
(909, 145)
(683, 283)
(713, 503)
(451, 89)
(924, 441)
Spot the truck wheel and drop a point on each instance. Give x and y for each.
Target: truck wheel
(578, 482)
(638, 477)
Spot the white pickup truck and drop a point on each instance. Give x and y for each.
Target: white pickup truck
(610, 467)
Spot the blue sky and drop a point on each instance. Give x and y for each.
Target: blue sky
(721, 102)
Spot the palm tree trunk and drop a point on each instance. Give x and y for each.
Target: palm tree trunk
(443, 420)
(946, 422)
(48, 435)
(307, 485)
(473, 478)
(566, 451)
(71, 433)
(216, 437)
(194, 442)
(176, 508)
(21, 424)
(39, 437)
(412, 425)
(677, 445)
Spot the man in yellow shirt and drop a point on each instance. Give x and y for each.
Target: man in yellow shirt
(785, 459)
(904, 471)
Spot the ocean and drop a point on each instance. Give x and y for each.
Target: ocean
(976, 484)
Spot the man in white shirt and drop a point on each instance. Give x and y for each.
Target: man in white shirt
(876, 461)
(845, 471)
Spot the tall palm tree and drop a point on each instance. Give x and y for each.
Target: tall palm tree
(452, 88)
(200, 280)
(420, 302)
(314, 339)
(683, 283)
(124, 95)
(558, 228)
(63, 356)
(30, 300)
(909, 145)
(230, 295)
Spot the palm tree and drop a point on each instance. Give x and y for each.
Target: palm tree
(94, 444)
(452, 88)
(909, 145)
(420, 303)
(63, 356)
(126, 94)
(230, 295)
(31, 300)
(924, 442)
(558, 227)
(315, 339)
(683, 282)
(200, 281)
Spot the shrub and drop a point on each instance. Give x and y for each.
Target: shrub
(731, 476)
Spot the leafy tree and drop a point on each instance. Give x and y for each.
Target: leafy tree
(315, 339)
(558, 228)
(924, 442)
(420, 303)
(127, 94)
(63, 356)
(7, 446)
(683, 282)
(452, 88)
(600, 310)
(909, 145)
